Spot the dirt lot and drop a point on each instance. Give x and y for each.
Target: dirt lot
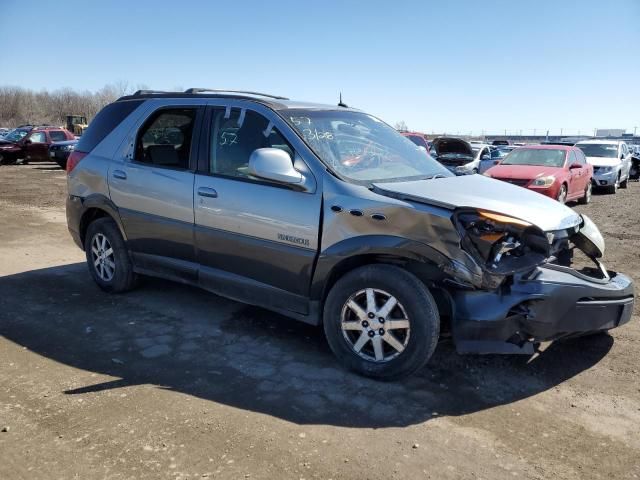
(171, 382)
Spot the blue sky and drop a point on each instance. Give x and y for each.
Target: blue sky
(454, 66)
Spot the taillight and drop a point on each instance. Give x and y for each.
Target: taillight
(74, 159)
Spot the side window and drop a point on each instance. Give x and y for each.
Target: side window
(165, 139)
(495, 153)
(624, 149)
(38, 137)
(235, 134)
(572, 158)
(57, 136)
(580, 157)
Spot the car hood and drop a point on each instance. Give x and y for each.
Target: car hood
(603, 161)
(447, 145)
(478, 191)
(522, 172)
(6, 142)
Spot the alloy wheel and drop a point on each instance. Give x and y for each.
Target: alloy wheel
(587, 194)
(375, 324)
(102, 256)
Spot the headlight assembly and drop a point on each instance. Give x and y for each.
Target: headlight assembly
(544, 181)
(501, 244)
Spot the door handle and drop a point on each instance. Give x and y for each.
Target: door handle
(207, 192)
(119, 174)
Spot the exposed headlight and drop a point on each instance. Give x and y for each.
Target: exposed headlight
(501, 244)
(544, 181)
(606, 169)
(69, 148)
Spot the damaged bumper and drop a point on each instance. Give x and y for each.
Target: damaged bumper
(550, 303)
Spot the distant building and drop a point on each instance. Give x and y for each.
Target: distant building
(610, 132)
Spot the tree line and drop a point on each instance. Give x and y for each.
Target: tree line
(19, 106)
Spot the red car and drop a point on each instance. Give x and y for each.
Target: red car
(559, 172)
(418, 138)
(30, 143)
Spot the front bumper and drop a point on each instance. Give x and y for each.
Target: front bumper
(551, 303)
(603, 179)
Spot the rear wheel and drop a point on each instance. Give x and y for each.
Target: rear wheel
(107, 257)
(586, 198)
(381, 321)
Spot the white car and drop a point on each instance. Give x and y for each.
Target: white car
(611, 160)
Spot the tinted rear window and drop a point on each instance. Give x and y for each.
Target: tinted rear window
(57, 136)
(107, 119)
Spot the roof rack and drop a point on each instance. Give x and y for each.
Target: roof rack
(217, 90)
(148, 92)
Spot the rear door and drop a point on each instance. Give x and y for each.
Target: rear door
(256, 240)
(153, 189)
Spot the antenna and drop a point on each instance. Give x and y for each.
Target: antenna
(341, 103)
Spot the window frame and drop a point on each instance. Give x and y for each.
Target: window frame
(204, 160)
(38, 132)
(194, 149)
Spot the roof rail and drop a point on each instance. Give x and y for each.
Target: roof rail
(147, 92)
(217, 90)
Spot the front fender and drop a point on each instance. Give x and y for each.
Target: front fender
(385, 245)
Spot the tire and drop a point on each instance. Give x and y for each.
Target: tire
(586, 198)
(101, 262)
(414, 303)
(7, 159)
(562, 194)
(625, 183)
(613, 189)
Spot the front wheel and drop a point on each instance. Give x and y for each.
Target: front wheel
(107, 257)
(562, 194)
(381, 321)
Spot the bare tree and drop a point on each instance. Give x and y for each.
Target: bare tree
(20, 106)
(401, 126)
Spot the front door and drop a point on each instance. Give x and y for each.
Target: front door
(152, 188)
(256, 241)
(36, 148)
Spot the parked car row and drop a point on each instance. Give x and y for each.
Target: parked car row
(562, 171)
(33, 143)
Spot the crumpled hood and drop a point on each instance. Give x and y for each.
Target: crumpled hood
(603, 161)
(478, 191)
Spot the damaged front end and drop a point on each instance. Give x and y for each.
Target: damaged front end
(537, 285)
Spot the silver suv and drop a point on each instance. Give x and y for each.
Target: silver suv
(328, 215)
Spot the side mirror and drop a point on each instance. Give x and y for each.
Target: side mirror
(275, 165)
(28, 142)
(575, 165)
(485, 157)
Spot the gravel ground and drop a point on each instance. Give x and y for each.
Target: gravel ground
(171, 382)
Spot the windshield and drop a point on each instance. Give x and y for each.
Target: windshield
(599, 150)
(362, 148)
(542, 157)
(15, 135)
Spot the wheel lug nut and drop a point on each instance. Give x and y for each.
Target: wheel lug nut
(381, 320)
(365, 324)
(371, 315)
(381, 331)
(371, 333)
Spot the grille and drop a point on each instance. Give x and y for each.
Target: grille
(515, 181)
